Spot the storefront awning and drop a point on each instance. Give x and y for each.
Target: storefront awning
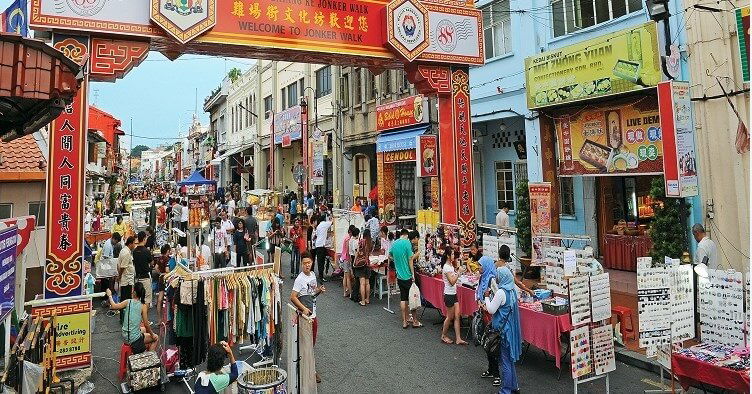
(230, 152)
(401, 140)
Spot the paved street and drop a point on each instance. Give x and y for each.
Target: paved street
(365, 350)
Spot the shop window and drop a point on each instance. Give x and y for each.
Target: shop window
(371, 86)
(38, 209)
(361, 174)
(292, 94)
(404, 190)
(566, 195)
(344, 91)
(386, 83)
(497, 28)
(568, 16)
(405, 82)
(504, 184)
(357, 86)
(6, 211)
(520, 171)
(268, 106)
(323, 81)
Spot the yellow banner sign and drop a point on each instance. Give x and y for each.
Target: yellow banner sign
(614, 63)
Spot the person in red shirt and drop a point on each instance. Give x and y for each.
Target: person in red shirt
(299, 245)
(161, 215)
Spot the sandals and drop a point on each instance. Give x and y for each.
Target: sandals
(486, 374)
(497, 382)
(419, 325)
(405, 326)
(447, 340)
(362, 303)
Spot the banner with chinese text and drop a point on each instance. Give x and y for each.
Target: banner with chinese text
(464, 151)
(611, 140)
(540, 214)
(63, 272)
(73, 323)
(680, 159)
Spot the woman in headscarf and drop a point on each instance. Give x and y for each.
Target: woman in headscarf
(506, 320)
(487, 274)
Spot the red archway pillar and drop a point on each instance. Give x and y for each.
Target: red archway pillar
(451, 86)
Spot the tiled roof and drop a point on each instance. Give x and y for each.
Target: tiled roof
(20, 160)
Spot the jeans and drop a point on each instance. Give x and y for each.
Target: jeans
(295, 262)
(506, 371)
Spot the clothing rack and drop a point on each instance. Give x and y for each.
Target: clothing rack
(233, 269)
(509, 230)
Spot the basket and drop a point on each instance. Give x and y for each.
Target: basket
(262, 378)
(553, 309)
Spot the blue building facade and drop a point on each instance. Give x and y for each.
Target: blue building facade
(515, 30)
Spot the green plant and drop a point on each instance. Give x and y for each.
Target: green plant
(668, 231)
(522, 219)
(234, 74)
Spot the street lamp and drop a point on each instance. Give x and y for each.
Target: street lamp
(658, 12)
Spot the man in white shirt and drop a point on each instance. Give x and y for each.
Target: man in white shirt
(227, 227)
(323, 231)
(705, 247)
(184, 216)
(502, 218)
(221, 253)
(231, 207)
(372, 224)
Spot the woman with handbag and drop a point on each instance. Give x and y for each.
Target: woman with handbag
(487, 275)
(360, 266)
(506, 321)
(451, 273)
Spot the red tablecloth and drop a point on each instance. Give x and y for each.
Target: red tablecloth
(621, 251)
(544, 331)
(432, 289)
(692, 372)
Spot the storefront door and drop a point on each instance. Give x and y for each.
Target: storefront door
(404, 188)
(591, 219)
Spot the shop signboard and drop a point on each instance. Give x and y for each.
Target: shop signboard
(540, 215)
(399, 156)
(288, 125)
(611, 140)
(129, 18)
(25, 224)
(73, 323)
(610, 64)
(456, 35)
(679, 157)
(742, 34)
(428, 148)
(8, 253)
(317, 166)
(408, 111)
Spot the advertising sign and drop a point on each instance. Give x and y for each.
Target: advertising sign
(8, 253)
(399, 156)
(463, 147)
(184, 19)
(742, 34)
(317, 158)
(406, 112)
(428, 148)
(63, 272)
(407, 27)
(614, 63)
(288, 125)
(679, 159)
(25, 225)
(540, 214)
(198, 210)
(613, 140)
(130, 18)
(456, 35)
(73, 323)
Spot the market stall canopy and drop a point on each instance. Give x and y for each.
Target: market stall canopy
(36, 83)
(197, 179)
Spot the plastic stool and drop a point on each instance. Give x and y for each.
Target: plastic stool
(383, 286)
(125, 352)
(622, 312)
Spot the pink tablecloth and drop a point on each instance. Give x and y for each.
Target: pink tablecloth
(692, 372)
(544, 331)
(432, 289)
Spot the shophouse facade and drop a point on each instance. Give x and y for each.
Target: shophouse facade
(516, 139)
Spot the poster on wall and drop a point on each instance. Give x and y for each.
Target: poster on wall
(8, 253)
(540, 215)
(317, 162)
(612, 140)
(73, 323)
(614, 63)
(288, 125)
(679, 157)
(426, 157)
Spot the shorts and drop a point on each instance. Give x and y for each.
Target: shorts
(404, 288)
(362, 272)
(139, 345)
(347, 265)
(450, 300)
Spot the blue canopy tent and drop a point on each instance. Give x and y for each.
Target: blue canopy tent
(196, 179)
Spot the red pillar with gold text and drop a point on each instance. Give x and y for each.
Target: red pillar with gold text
(463, 140)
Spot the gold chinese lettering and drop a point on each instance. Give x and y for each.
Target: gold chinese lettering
(334, 20)
(303, 16)
(272, 12)
(363, 24)
(349, 22)
(288, 15)
(318, 18)
(255, 10)
(237, 8)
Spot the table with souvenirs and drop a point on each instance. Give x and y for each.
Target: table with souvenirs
(720, 366)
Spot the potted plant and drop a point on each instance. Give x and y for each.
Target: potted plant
(668, 231)
(522, 223)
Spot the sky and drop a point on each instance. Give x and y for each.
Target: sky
(161, 95)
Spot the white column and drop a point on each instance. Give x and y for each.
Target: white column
(533, 146)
